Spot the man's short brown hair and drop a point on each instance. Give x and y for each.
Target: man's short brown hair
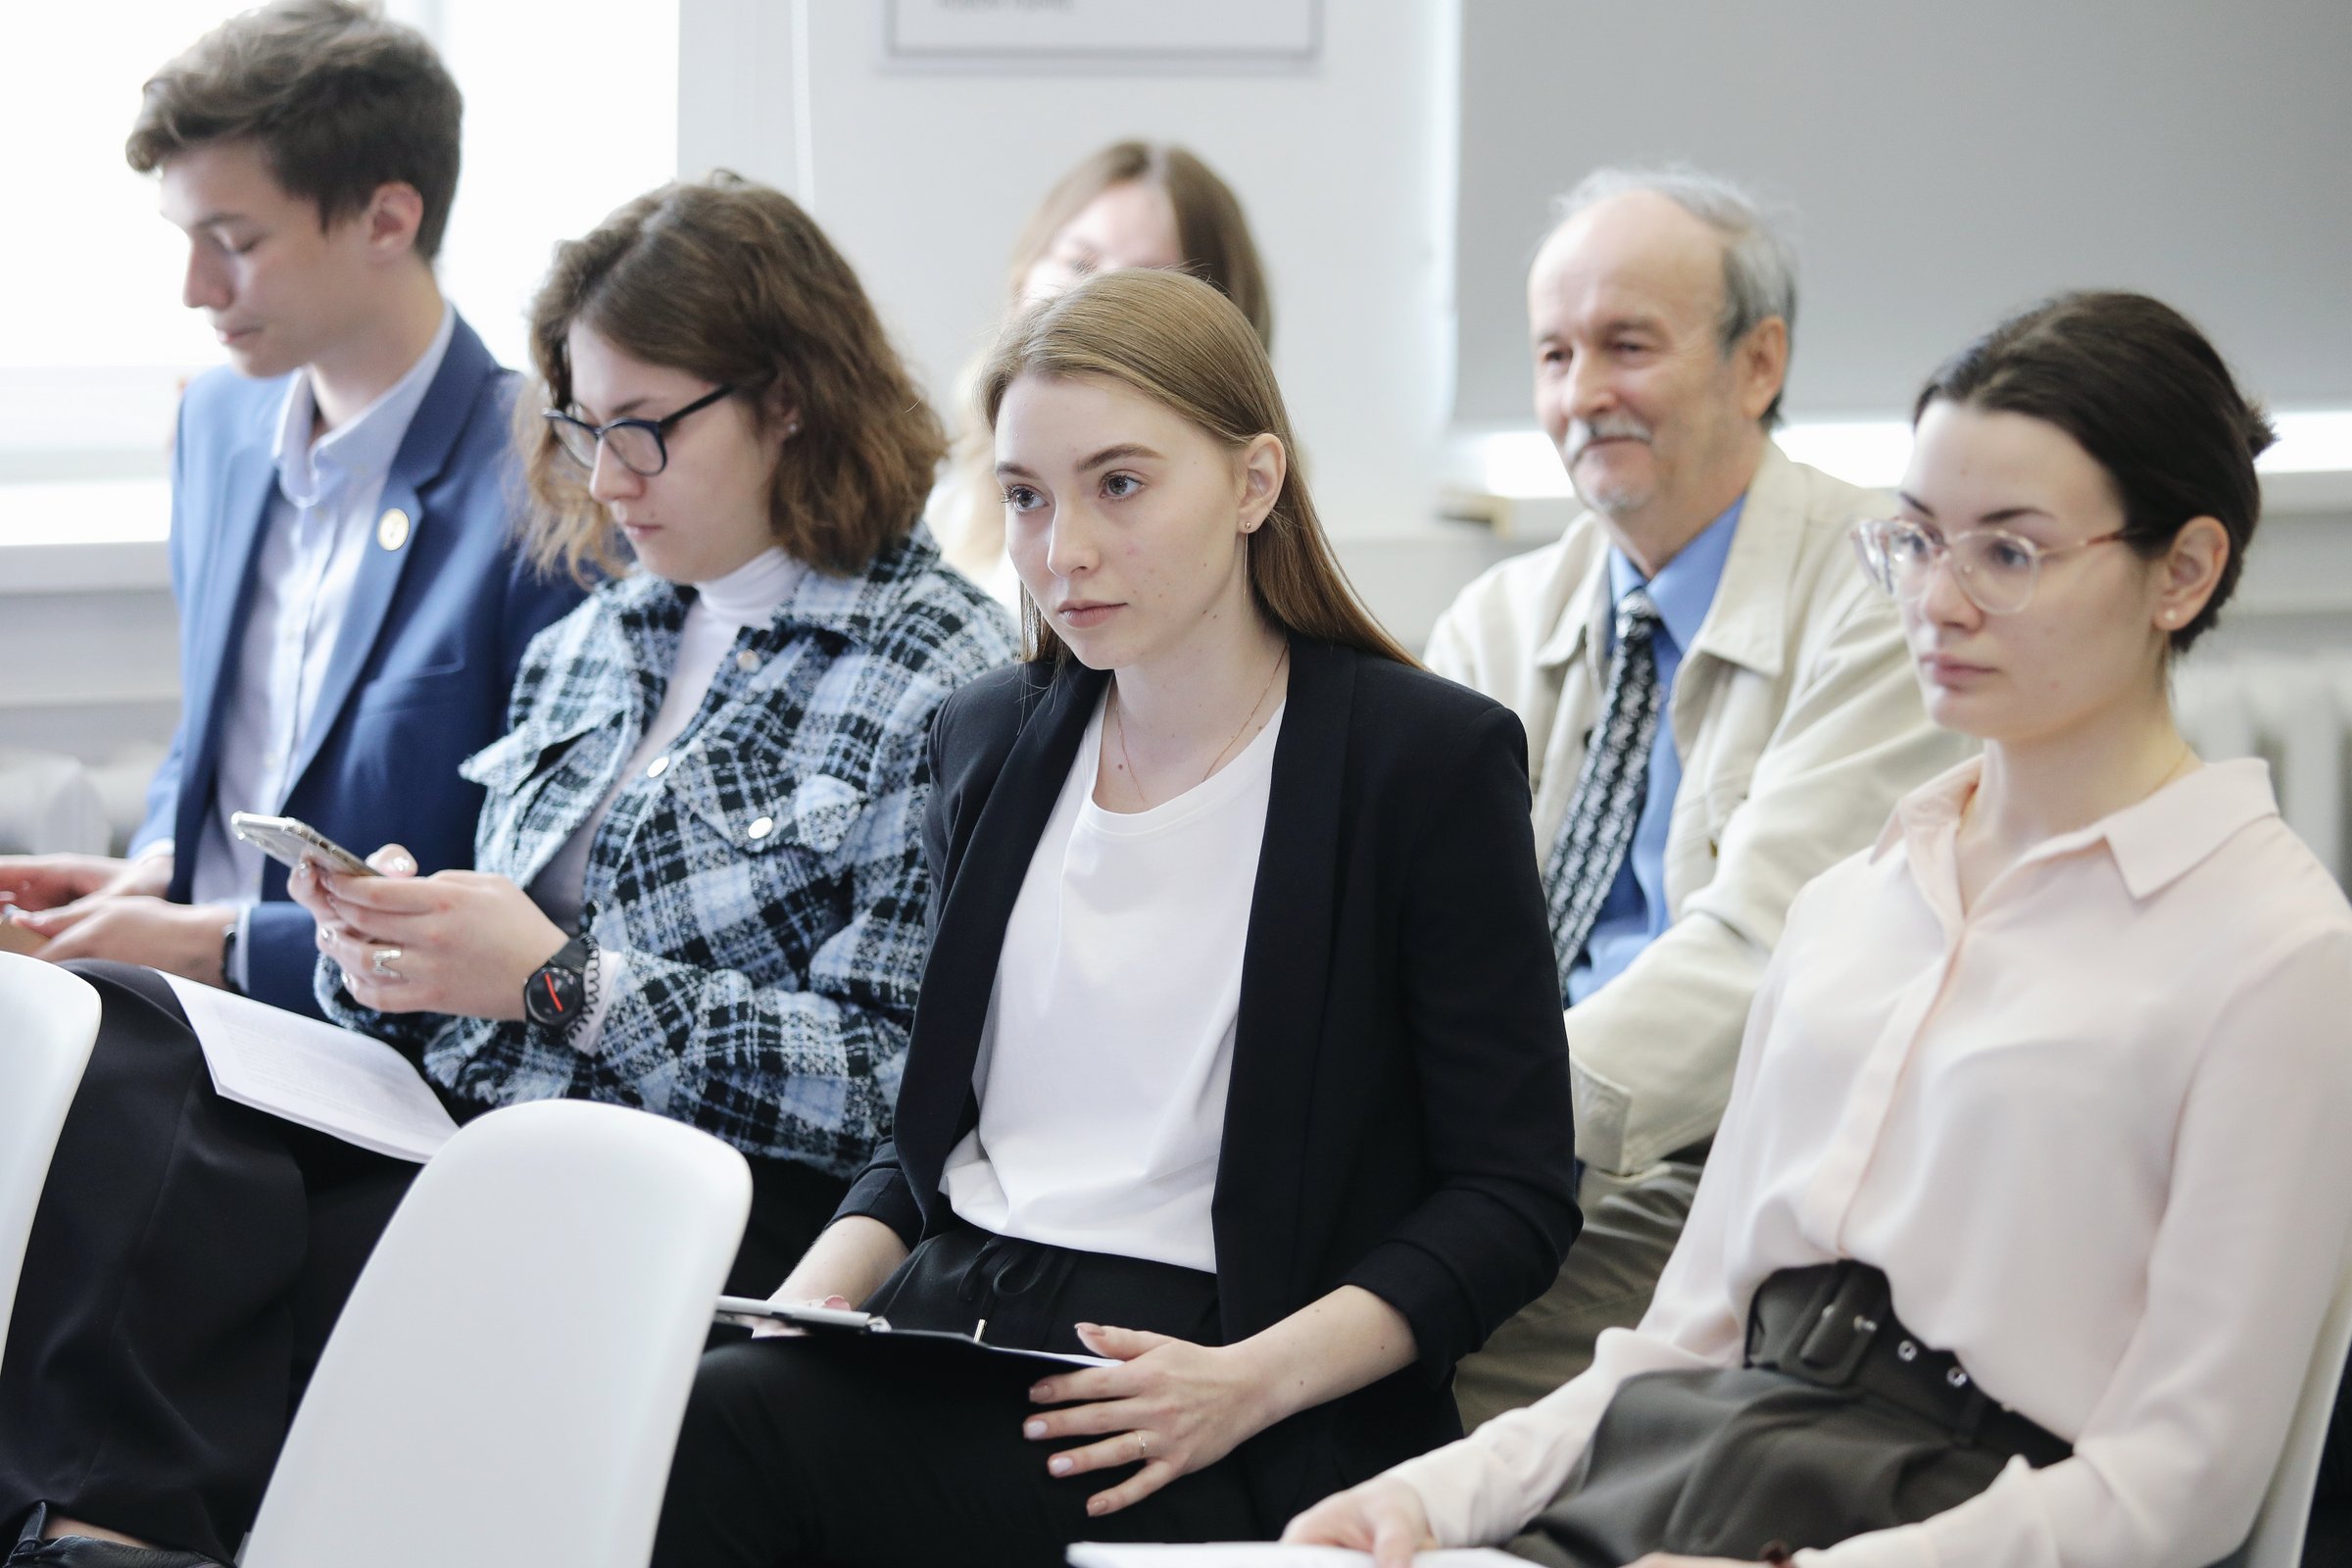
(340, 101)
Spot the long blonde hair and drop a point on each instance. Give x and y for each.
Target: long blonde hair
(1212, 237)
(1183, 345)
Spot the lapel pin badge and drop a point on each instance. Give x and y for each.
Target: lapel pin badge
(392, 529)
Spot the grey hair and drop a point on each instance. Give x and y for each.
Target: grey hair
(1759, 263)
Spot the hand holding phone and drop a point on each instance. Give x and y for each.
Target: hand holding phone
(289, 842)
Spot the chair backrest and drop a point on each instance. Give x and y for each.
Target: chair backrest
(48, 1023)
(2278, 1530)
(506, 1384)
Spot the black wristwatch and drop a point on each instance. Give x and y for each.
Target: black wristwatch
(562, 991)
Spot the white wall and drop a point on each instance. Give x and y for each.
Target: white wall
(923, 179)
(1945, 164)
(1347, 171)
(537, 171)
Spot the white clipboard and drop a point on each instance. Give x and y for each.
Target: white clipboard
(828, 1321)
(1265, 1554)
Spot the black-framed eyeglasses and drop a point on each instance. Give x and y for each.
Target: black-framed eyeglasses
(642, 446)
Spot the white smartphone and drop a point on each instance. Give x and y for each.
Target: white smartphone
(289, 842)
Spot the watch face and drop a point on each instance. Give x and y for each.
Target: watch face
(553, 996)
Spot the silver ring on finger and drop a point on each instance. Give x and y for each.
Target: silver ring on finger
(1142, 1447)
(381, 961)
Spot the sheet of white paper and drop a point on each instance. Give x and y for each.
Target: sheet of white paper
(1259, 1554)
(337, 1081)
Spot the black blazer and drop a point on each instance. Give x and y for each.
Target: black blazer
(1398, 1113)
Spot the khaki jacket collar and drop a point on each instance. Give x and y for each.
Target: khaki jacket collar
(1747, 624)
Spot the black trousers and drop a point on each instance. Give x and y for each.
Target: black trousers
(187, 1264)
(840, 1451)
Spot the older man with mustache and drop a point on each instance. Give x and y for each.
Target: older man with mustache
(1717, 704)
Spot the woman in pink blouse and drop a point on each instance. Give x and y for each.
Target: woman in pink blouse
(2019, 1234)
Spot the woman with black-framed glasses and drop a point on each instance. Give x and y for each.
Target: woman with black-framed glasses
(641, 444)
(2034, 1190)
(700, 886)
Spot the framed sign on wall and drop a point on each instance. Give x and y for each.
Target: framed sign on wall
(1140, 35)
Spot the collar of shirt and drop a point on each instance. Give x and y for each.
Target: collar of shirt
(309, 473)
(2154, 842)
(1685, 587)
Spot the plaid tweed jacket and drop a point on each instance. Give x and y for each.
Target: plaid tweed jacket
(766, 892)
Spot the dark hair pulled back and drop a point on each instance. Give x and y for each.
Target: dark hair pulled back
(2141, 390)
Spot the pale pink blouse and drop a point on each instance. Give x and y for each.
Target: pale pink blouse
(2098, 1131)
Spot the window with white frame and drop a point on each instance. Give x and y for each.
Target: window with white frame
(570, 111)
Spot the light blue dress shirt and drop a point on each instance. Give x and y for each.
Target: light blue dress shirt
(1635, 910)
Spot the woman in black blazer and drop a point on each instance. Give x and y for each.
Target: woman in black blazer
(1277, 1123)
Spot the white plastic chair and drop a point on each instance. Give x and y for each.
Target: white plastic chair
(2278, 1530)
(48, 1023)
(506, 1382)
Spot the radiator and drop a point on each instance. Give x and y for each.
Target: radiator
(2294, 710)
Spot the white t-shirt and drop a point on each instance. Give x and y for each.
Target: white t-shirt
(1108, 1046)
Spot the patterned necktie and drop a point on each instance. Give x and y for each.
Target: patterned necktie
(1599, 829)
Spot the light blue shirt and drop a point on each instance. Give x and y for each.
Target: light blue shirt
(1635, 910)
(321, 522)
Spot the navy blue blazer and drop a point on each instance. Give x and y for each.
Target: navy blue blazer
(421, 665)
(1398, 1113)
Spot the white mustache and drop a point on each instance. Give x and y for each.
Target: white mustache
(1610, 427)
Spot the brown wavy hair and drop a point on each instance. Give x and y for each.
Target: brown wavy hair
(1213, 237)
(731, 281)
(339, 100)
(1184, 345)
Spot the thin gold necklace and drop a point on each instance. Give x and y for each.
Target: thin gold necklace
(1119, 716)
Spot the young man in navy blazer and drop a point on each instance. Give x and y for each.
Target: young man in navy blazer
(353, 608)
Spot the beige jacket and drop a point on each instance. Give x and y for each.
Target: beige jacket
(1800, 724)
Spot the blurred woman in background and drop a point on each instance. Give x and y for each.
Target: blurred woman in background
(1132, 204)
